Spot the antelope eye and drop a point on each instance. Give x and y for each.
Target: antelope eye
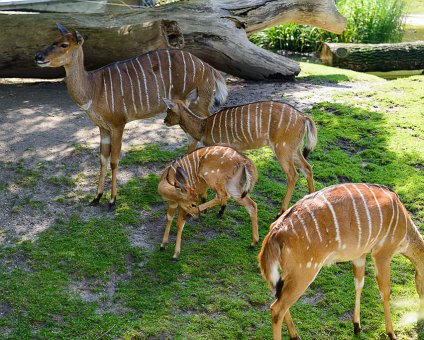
(64, 45)
(194, 205)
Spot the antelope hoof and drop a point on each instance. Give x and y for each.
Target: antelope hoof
(356, 328)
(391, 336)
(162, 247)
(297, 337)
(112, 206)
(221, 211)
(174, 259)
(254, 244)
(95, 202)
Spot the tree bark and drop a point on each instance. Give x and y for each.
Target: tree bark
(214, 30)
(375, 57)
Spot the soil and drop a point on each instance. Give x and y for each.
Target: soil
(46, 138)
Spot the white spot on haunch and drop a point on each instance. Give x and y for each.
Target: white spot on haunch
(205, 173)
(308, 265)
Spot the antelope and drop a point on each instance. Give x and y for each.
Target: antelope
(251, 126)
(227, 172)
(340, 223)
(127, 90)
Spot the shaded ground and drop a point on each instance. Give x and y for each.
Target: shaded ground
(48, 148)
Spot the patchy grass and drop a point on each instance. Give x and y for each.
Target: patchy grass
(83, 278)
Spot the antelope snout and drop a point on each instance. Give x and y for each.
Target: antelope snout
(39, 59)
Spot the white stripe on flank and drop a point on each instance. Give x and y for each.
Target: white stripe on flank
(191, 170)
(391, 220)
(241, 124)
(256, 121)
(367, 211)
(156, 78)
(169, 74)
(290, 117)
(139, 87)
(358, 220)
(260, 119)
(194, 67)
(305, 229)
(145, 85)
(397, 220)
(293, 228)
(235, 123)
(105, 87)
(249, 129)
(281, 116)
(203, 68)
(185, 71)
(269, 118)
(233, 155)
(111, 90)
(379, 210)
(223, 155)
(122, 88)
(232, 127)
(220, 128)
(213, 125)
(132, 88)
(160, 73)
(311, 213)
(333, 213)
(226, 120)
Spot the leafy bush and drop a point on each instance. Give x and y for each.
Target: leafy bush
(369, 21)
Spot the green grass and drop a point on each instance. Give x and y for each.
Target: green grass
(82, 278)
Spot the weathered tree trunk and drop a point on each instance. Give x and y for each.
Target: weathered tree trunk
(214, 30)
(375, 57)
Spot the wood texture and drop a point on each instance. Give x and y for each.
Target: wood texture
(375, 57)
(214, 30)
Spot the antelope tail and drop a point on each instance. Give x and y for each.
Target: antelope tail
(269, 262)
(221, 92)
(250, 177)
(311, 136)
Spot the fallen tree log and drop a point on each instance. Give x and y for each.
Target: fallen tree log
(214, 30)
(375, 57)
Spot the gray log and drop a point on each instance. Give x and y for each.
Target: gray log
(214, 30)
(375, 57)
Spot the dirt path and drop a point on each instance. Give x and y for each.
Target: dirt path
(46, 139)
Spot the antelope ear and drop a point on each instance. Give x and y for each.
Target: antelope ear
(62, 29)
(180, 179)
(169, 104)
(78, 37)
(192, 97)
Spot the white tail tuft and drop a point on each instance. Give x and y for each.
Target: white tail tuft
(221, 91)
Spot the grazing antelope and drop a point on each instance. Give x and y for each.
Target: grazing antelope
(340, 223)
(251, 126)
(227, 172)
(128, 90)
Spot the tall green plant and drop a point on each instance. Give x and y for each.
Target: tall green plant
(368, 21)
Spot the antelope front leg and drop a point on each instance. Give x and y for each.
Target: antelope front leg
(104, 158)
(358, 274)
(252, 209)
(170, 213)
(114, 161)
(180, 225)
(219, 199)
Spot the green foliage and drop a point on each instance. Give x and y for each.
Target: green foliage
(93, 278)
(368, 21)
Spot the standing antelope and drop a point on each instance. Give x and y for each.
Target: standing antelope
(128, 90)
(252, 126)
(340, 223)
(221, 168)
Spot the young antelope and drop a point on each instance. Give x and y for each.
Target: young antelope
(223, 169)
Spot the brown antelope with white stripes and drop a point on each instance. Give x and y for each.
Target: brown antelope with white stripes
(340, 223)
(252, 126)
(128, 90)
(227, 172)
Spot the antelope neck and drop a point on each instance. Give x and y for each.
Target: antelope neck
(79, 81)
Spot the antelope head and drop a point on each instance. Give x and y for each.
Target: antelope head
(176, 107)
(181, 192)
(61, 51)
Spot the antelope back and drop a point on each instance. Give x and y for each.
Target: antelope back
(342, 222)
